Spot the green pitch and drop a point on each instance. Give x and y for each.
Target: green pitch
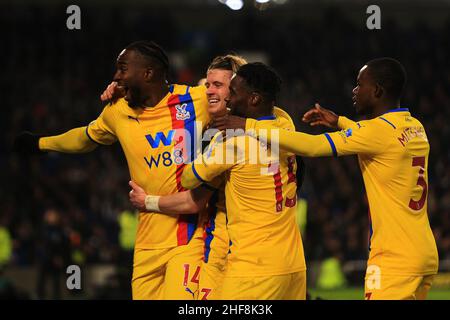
(358, 294)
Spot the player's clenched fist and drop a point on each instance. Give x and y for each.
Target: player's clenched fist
(27, 143)
(137, 196)
(321, 116)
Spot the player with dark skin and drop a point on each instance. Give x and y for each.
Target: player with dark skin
(142, 80)
(370, 99)
(141, 73)
(393, 151)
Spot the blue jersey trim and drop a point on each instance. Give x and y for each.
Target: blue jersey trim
(196, 174)
(191, 225)
(209, 235)
(190, 124)
(171, 87)
(266, 118)
(388, 122)
(397, 110)
(333, 147)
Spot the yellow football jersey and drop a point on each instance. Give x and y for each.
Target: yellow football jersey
(216, 233)
(393, 156)
(260, 196)
(157, 141)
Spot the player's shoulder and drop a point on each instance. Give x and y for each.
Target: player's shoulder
(116, 107)
(371, 128)
(119, 103)
(279, 112)
(373, 124)
(412, 121)
(397, 118)
(283, 119)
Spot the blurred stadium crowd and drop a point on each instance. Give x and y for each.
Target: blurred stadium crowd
(62, 209)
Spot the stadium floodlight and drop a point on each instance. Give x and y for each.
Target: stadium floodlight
(235, 4)
(262, 1)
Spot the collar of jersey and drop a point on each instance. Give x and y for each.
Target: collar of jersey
(397, 110)
(272, 117)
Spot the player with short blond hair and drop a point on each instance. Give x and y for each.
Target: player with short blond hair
(266, 259)
(216, 239)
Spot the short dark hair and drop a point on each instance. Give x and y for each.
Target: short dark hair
(151, 50)
(389, 74)
(262, 79)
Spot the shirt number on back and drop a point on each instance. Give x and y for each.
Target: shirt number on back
(275, 169)
(417, 205)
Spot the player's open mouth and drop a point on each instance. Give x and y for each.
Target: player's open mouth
(213, 101)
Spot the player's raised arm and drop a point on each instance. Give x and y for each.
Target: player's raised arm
(187, 202)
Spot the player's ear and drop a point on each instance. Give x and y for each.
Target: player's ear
(255, 99)
(148, 75)
(379, 91)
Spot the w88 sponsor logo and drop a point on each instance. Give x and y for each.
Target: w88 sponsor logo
(166, 159)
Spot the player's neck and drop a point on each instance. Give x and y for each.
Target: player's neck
(157, 93)
(261, 112)
(383, 107)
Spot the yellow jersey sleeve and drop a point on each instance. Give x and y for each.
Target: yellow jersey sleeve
(296, 142)
(72, 141)
(345, 123)
(103, 129)
(214, 161)
(366, 138)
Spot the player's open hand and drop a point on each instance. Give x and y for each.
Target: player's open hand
(228, 122)
(137, 196)
(112, 93)
(321, 116)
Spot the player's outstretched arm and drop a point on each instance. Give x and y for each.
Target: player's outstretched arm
(300, 143)
(296, 142)
(72, 141)
(187, 202)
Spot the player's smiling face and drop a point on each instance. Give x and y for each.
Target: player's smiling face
(363, 93)
(217, 90)
(130, 77)
(239, 97)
